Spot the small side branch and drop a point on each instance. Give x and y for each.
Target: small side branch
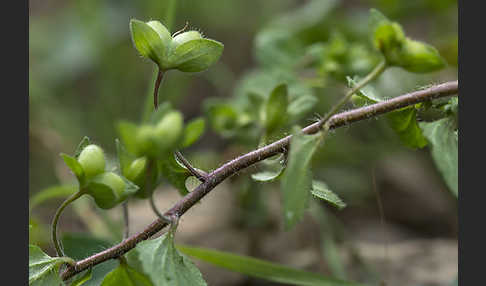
(237, 164)
(199, 174)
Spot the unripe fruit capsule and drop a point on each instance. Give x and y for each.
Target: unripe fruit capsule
(92, 159)
(169, 129)
(136, 168)
(145, 138)
(186, 37)
(108, 189)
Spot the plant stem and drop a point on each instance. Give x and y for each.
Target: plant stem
(160, 75)
(69, 200)
(126, 221)
(234, 166)
(199, 174)
(363, 82)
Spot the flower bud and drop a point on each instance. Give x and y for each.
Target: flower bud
(92, 159)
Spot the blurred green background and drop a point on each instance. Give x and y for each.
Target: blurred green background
(85, 75)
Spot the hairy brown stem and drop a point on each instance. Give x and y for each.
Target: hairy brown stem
(199, 174)
(237, 164)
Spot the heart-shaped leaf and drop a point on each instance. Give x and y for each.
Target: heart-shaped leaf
(163, 263)
(43, 269)
(125, 275)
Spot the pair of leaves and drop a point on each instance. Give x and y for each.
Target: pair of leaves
(43, 269)
(296, 182)
(187, 52)
(402, 121)
(262, 269)
(165, 265)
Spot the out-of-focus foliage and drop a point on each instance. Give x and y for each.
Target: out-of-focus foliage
(85, 76)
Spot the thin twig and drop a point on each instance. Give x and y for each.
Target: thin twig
(235, 165)
(126, 231)
(199, 174)
(161, 216)
(367, 79)
(55, 241)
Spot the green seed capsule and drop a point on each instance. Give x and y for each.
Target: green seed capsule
(92, 159)
(146, 138)
(186, 37)
(136, 169)
(107, 189)
(169, 130)
(420, 57)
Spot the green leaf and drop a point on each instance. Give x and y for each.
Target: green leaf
(148, 42)
(165, 265)
(174, 173)
(301, 106)
(193, 131)
(404, 123)
(321, 191)
(296, 181)
(195, 55)
(443, 138)
(130, 188)
(262, 269)
(83, 279)
(43, 269)
(275, 110)
(279, 44)
(82, 245)
(54, 192)
(124, 275)
(367, 93)
(75, 167)
(84, 142)
(124, 157)
(222, 117)
(275, 171)
(267, 176)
